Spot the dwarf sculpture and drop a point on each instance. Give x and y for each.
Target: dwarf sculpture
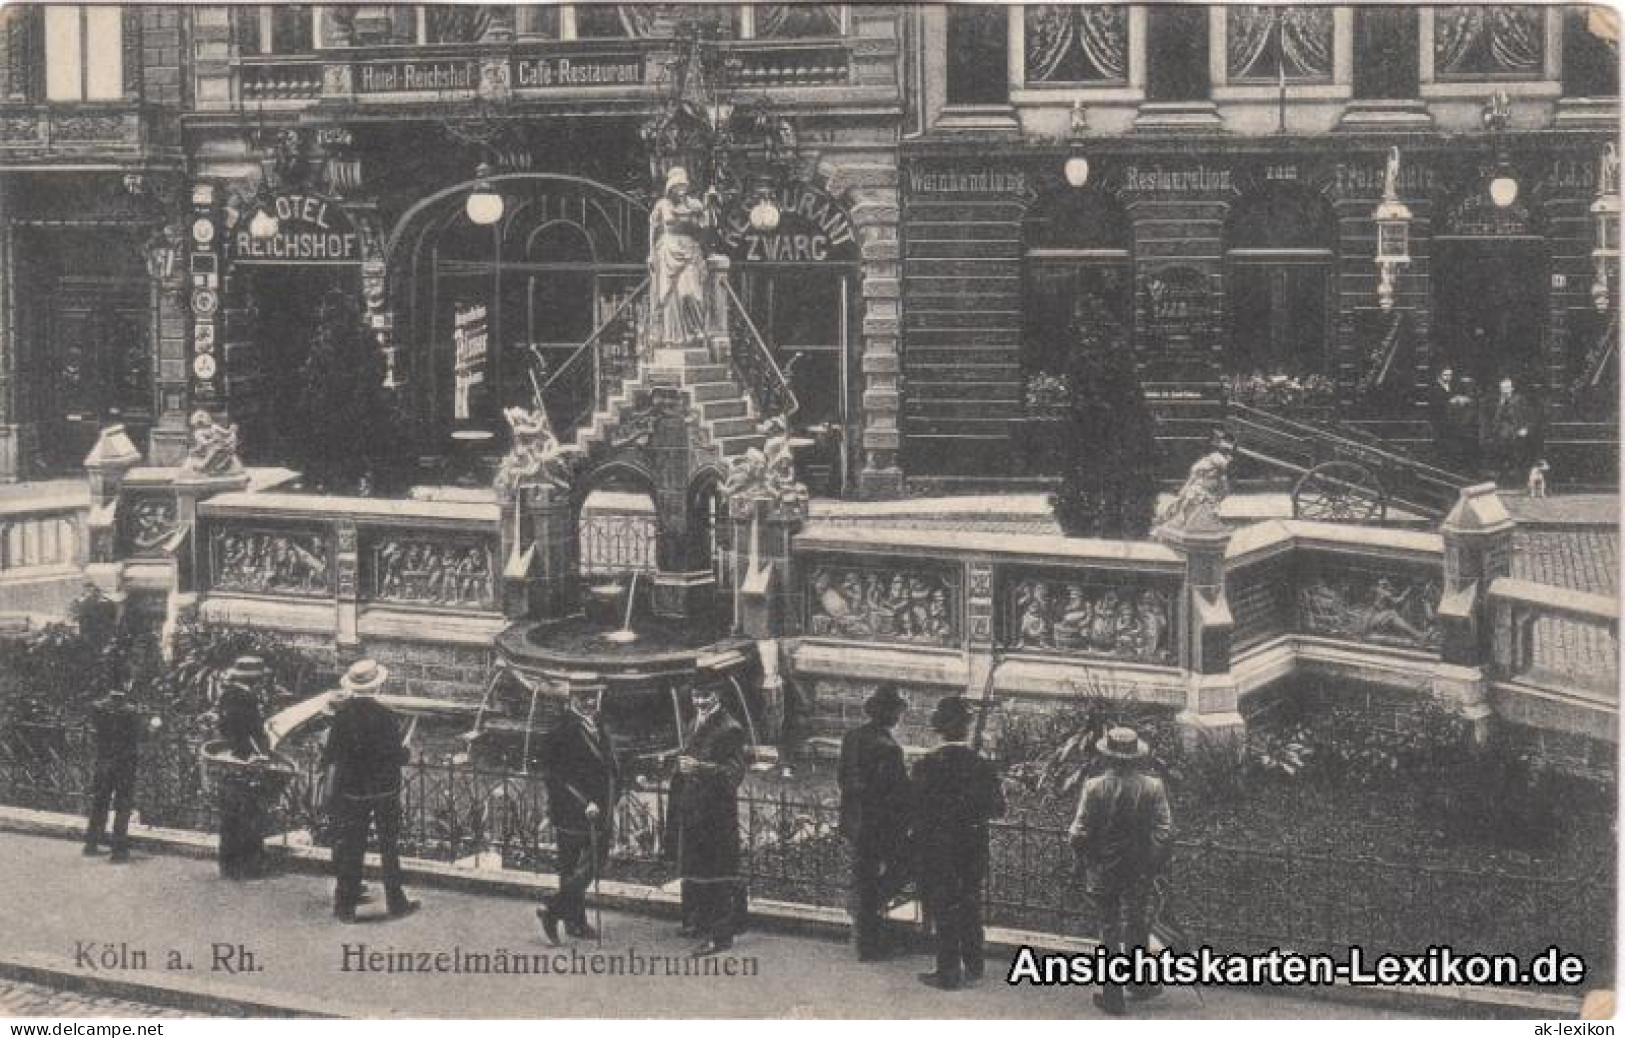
(213, 448)
(534, 458)
(1207, 484)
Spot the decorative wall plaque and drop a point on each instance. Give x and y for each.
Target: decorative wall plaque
(271, 562)
(892, 604)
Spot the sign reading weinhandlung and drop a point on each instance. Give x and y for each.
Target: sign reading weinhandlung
(470, 336)
(310, 230)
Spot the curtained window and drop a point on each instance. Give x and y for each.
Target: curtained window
(1271, 43)
(1481, 41)
(1076, 43)
(797, 21)
(456, 23)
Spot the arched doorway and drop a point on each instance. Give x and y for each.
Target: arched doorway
(1279, 301)
(558, 263)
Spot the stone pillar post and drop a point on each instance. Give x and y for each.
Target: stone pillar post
(189, 491)
(1477, 548)
(10, 431)
(718, 339)
(762, 532)
(540, 577)
(105, 467)
(346, 588)
(1210, 701)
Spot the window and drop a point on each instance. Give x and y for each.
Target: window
(1278, 289)
(1177, 43)
(1076, 43)
(1272, 44)
(1590, 52)
(287, 27)
(795, 21)
(1387, 53)
(1489, 42)
(456, 23)
(369, 25)
(84, 53)
(538, 21)
(978, 55)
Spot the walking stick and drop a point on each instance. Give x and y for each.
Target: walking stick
(597, 877)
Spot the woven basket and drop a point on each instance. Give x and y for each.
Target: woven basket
(263, 778)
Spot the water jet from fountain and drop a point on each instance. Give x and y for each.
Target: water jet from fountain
(626, 636)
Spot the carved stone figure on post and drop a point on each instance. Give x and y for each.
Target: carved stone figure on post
(533, 459)
(1207, 484)
(212, 450)
(677, 265)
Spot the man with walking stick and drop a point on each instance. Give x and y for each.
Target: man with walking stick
(583, 783)
(1122, 834)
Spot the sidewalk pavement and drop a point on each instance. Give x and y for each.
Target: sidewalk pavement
(83, 917)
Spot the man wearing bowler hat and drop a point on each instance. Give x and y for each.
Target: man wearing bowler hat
(874, 816)
(955, 793)
(1122, 834)
(117, 726)
(365, 752)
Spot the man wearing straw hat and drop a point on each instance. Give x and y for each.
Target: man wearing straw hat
(956, 793)
(1122, 833)
(242, 812)
(365, 752)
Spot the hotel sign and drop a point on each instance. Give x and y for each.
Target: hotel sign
(463, 75)
(409, 77)
(311, 230)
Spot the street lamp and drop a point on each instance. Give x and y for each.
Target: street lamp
(484, 206)
(1076, 167)
(1393, 219)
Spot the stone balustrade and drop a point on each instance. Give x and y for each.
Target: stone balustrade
(44, 544)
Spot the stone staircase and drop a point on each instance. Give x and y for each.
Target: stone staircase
(726, 411)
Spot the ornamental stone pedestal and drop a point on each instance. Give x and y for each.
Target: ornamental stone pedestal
(761, 531)
(1477, 549)
(1211, 693)
(540, 574)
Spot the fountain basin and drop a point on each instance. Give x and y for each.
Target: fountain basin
(645, 681)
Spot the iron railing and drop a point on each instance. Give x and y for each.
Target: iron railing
(1229, 897)
(753, 363)
(609, 356)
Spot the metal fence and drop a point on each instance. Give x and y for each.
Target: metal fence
(1229, 897)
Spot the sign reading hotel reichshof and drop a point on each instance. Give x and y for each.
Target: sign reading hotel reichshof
(310, 230)
(542, 72)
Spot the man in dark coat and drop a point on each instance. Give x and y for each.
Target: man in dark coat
(874, 816)
(1121, 834)
(364, 755)
(955, 793)
(705, 820)
(583, 782)
(242, 808)
(1507, 434)
(117, 727)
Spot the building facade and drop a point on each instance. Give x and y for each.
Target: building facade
(264, 210)
(328, 156)
(1209, 177)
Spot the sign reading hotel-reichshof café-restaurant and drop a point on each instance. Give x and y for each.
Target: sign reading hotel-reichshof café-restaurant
(310, 229)
(541, 72)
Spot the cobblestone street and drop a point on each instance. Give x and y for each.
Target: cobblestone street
(36, 1001)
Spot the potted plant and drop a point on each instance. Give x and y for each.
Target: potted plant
(1036, 437)
(1309, 397)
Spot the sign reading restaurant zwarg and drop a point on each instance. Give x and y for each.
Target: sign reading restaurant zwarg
(310, 230)
(812, 228)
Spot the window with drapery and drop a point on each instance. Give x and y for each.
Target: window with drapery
(1271, 43)
(273, 29)
(1590, 52)
(1076, 43)
(795, 21)
(1485, 40)
(368, 25)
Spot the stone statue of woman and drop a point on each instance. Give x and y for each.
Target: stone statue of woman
(677, 265)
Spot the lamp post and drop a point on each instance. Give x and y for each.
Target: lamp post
(1393, 219)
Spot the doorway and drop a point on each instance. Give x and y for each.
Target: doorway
(1490, 343)
(99, 364)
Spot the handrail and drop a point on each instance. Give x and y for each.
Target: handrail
(592, 340)
(763, 359)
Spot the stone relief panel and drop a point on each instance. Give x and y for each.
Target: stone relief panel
(268, 561)
(150, 521)
(1387, 608)
(910, 604)
(446, 572)
(1130, 619)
